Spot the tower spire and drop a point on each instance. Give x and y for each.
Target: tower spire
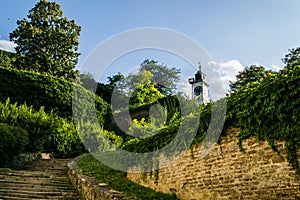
(200, 67)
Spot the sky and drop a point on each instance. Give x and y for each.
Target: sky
(233, 33)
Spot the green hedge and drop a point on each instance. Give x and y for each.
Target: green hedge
(47, 132)
(53, 93)
(13, 142)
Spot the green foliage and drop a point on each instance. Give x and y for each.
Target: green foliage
(145, 94)
(105, 90)
(13, 142)
(248, 75)
(47, 41)
(130, 83)
(47, 132)
(96, 139)
(135, 88)
(142, 91)
(292, 58)
(205, 117)
(269, 110)
(160, 129)
(147, 128)
(152, 82)
(138, 80)
(6, 58)
(142, 145)
(141, 128)
(162, 75)
(64, 141)
(87, 81)
(53, 93)
(117, 180)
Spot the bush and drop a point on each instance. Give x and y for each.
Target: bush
(47, 132)
(13, 142)
(96, 139)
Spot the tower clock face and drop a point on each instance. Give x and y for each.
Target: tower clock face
(198, 90)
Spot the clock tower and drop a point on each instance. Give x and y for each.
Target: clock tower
(200, 87)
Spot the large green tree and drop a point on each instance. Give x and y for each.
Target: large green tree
(47, 42)
(250, 74)
(152, 82)
(163, 76)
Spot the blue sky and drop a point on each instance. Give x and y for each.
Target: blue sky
(235, 33)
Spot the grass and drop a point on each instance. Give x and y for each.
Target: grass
(117, 180)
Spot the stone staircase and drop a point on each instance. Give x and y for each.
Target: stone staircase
(42, 179)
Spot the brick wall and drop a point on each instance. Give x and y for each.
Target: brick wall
(228, 173)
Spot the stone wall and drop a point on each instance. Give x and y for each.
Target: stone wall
(228, 173)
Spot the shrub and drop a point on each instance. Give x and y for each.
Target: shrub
(47, 132)
(13, 142)
(96, 139)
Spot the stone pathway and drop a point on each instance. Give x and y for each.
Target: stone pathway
(43, 179)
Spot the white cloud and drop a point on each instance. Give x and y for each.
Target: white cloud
(7, 45)
(220, 76)
(275, 68)
(228, 71)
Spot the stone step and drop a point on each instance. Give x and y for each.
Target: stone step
(35, 183)
(39, 198)
(30, 197)
(45, 168)
(36, 193)
(24, 173)
(35, 173)
(50, 162)
(36, 188)
(42, 179)
(30, 178)
(7, 197)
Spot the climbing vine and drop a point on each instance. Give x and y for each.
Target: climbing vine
(270, 110)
